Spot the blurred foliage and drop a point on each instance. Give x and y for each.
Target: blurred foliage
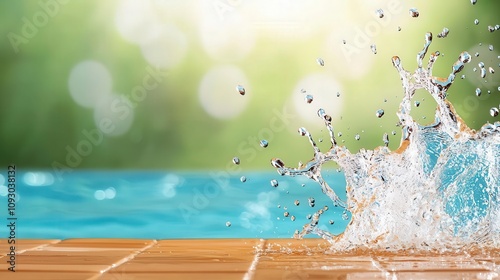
(172, 130)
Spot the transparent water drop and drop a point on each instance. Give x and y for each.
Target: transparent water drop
(292, 218)
(483, 73)
(474, 69)
(338, 94)
(339, 134)
(478, 92)
(490, 47)
(417, 103)
(309, 216)
(399, 28)
(277, 163)
(236, 160)
(476, 21)
(325, 208)
(331, 222)
(302, 90)
(344, 42)
(497, 27)
(228, 224)
(393, 132)
(309, 98)
(476, 54)
(320, 140)
(286, 214)
(491, 28)
(443, 33)
(462, 77)
(373, 47)
(379, 113)
(274, 183)
(296, 202)
(311, 201)
(345, 217)
(380, 13)
(321, 113)
(498, 88)
(320, 61)
(303, 185)
(494, 111)
(243, 179)
(385, 138)
(263, 143)
(491, 70)
(357, 137)
(302, 131)
(279, 206)
(473, 2)
(240, 89)
(414, 12)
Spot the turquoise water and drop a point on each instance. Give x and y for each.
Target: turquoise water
(162, 204)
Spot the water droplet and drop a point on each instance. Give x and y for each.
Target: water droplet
(374, 48)
(494, 111)
(302, 90)
(286, 214)
(325, 208)
(236, 160)
(345, 217)
(302, 131)
(417, 103)
(309, 98)
(462, 77)
(380, 13)
(296, 202)
(320, 140)
(263, 143)
(379, 113)
(320, 61)
(311, 201)
(303, 185)
(476, 21)
(331, 222)
(292, 218)
(344, 42)
(357, 137)
(385, 138)
(478, 92)
(473, 2)
(240, 89)
(279, 205)
(338, 94)
(498, 88)
(277, 163)
(491, 28)
(476, 54)
(492, 71)
(309, 216)
(393, 132)
(243, 179)
(414, 12)
(443, 33)
(497, 26)
(490, 47)
(483, 73)
(274, 183)
(339, 134)
(228, 224)
(399, 28)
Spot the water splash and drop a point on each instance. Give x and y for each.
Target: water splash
(438, 191)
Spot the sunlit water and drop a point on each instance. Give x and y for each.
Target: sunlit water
(438, 191)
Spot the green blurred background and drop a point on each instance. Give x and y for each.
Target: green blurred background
(152, 84)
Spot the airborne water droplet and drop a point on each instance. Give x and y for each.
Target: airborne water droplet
(302, 131)
(263, 143)
(417, 103)
(292, 218)
(443, 33)
(494, 111)
(240, 89)
(490, 47)
(357, 137)
(374, 48)
(311, 201)
(379, 113)
(274, 183)
(380, 13)
(473, 2)
(243, 179)
(414, 12)
(236, 160)
(491, 28)
(277, 163)
(492, 71)
(476, 21)
(399, 28)
(320, 61)
(478, 92)
(308, 98)
(228, 224)
(286, 214)
(296, 202)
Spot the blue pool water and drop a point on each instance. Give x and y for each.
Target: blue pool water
(162, 204)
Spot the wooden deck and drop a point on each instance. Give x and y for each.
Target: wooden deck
(133, 259)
